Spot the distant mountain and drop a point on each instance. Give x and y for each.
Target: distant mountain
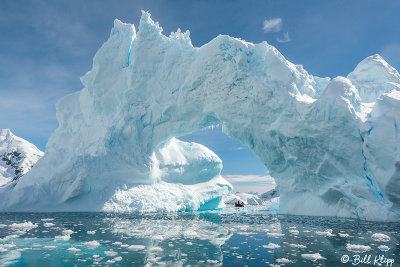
(17, 156)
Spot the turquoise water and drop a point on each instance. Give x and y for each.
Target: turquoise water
(231, 237)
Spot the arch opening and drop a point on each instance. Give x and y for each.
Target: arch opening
(241, 166)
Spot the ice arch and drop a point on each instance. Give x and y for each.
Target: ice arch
(115, 142)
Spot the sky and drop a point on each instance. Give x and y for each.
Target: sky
(47, 45)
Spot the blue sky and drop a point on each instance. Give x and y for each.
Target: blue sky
(47, 45)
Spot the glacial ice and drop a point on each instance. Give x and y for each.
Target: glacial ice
(332, 145)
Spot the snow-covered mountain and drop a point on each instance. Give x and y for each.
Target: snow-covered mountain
(17, 156)
(251, 198)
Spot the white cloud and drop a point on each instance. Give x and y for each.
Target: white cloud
(236, 178)
(285, 38)
(272, 25)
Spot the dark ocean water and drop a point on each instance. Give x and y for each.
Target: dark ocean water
(232, 237)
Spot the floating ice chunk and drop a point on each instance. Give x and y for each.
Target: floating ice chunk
(274, 234)
(48, 224)
(62, 237)
(343, 235)
(271, 246)
(2, 225)
(327, 232)
(156, 249)
(294, 232)
(213, 261)
(136, 247)
(47, 219)
(50, 247)
(66, 235)
(117, 243)
(110, 253)
(158, 238)
(313, 257)
(25, 226)
(190, 234)
(384, 248)
(67, 232)
(72, 249)
(119, 258)
(357, 248)
(283, 260)
(297, 246)
(6, 247)
(92, 244)
(91, 232)
(380, 237)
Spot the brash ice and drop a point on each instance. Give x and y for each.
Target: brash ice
(332, 145)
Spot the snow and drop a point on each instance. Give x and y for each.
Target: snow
(332, 145)
(17, 156)
(373, 77)
(251, 198)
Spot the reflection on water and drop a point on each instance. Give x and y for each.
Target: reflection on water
(230, 237)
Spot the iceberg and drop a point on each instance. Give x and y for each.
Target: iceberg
(332, 145)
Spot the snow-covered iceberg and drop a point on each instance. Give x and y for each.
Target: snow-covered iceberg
(330, 151)
(17, 156)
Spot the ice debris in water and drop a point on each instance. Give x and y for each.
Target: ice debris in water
(136, 247)
(25, 226)
(271, 246)
(283, 261)
(313, 257)
(383, 248)
(327, 232)
(380, 237)
(91, 244)
(297, 246)
(72, 249)
(110, 253)
(357, 248)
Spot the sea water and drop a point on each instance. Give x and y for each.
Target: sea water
(229, 237)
